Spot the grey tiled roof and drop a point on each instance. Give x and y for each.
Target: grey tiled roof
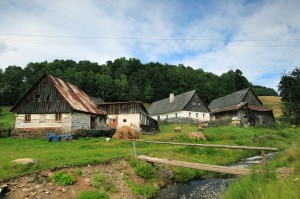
(229, 100)
(165, 106)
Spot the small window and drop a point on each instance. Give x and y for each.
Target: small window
(27, 118)
(199, 104)
(167, 116)
(194, 103)
(203, 115)
(48, 98)
(58, 117)
(124, 120)
(176, 115)
(37, 98)
(196, 115)
(189, 114)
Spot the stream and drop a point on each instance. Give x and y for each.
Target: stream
(207, 188)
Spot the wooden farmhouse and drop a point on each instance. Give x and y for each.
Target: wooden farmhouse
(180, 107)
(52, 104)
(243, 107)
(132, 114)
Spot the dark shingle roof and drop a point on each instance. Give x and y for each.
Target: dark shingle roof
(229, 100)
(165, 106)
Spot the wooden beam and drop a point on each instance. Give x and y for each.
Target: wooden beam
(207, 167)
(134, 150)
(210, 145)
(263, 161)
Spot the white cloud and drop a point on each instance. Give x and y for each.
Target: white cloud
(257, 37)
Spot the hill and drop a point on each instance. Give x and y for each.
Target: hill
(273, 102)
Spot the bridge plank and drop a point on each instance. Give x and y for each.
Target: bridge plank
(207, 167)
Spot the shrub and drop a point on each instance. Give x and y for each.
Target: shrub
(93, 195)
(148, 191)
(63, 179)
(143, 169)
(100, 181)
(77, 172)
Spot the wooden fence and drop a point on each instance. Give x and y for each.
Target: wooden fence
(215, 168)
(192, 121)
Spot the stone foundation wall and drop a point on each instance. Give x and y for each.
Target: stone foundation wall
(35, 132)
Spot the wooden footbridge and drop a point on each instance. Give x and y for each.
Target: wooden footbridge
(207, 167)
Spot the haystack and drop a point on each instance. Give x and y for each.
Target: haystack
(126, 132)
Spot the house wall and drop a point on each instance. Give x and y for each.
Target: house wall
(252, 99)
(132, 120)
(262, 118)
(196, 105)
(82, 121)
(40, 124)
(43, 98)
(202, 116)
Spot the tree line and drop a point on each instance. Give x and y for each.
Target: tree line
(126, 80)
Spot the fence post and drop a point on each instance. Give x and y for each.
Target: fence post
(134, 150)
(263, 161)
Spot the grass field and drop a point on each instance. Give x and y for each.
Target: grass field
(7, 119)
(96, 150)
(272, 102)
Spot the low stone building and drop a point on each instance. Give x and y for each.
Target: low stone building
(52, 104)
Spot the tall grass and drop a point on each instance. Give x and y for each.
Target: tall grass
(7, 119)
(274, 185)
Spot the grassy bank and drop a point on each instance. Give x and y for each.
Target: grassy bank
(281, 181)
(91, 151)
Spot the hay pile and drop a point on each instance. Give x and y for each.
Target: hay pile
(126, 132)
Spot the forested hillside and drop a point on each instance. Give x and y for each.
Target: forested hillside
(125, 79)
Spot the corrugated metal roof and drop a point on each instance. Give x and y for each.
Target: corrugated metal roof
(165, 106)
(77, 99)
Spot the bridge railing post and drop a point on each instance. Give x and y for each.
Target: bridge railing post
(134, 150)
(263, 161)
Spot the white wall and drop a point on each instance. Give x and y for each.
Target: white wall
(189, 114)
(43, 121)
(132, 120)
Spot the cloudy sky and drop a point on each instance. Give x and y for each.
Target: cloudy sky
(261, 38)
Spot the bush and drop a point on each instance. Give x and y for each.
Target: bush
(100, 181)
(93, 195)
(63, 179)
(148, 191)
(143, 169)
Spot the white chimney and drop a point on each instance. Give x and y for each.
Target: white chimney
(171, 97)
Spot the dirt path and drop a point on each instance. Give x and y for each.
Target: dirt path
(40, 185)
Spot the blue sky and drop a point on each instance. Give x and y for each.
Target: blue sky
(261, 38)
